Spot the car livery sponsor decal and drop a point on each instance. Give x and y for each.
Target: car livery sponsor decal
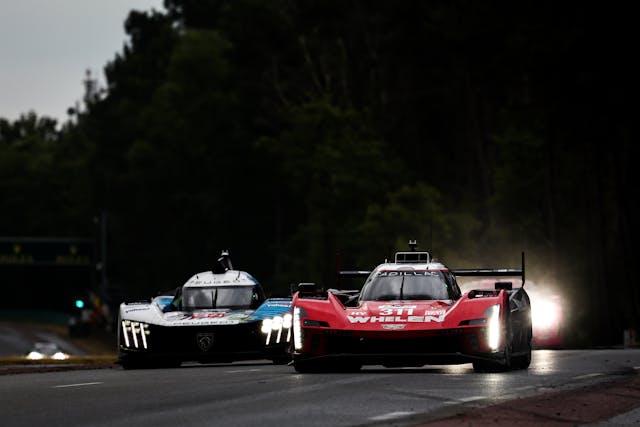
(207, 315)
(207, 318)
(131, 310)
(393, 326)
(398, 314)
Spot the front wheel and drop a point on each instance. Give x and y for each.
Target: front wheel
(308, 367)
(129, 362)
(281, 360)
(522, 361)
(305, 367)
(495, 366)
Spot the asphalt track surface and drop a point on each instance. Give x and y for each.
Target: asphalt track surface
(564, 387)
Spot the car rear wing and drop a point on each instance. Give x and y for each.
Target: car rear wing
(494, 272)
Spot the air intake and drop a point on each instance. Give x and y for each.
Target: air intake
(413, 257)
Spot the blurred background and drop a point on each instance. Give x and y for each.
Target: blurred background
(307, 136)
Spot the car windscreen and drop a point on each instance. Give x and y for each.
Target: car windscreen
(406, 285)
(202, 298)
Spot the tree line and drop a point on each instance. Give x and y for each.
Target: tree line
(305, 136)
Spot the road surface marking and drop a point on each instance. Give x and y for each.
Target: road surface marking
(391, 416)
(243, 370)
(470, 398)
(75, 385)
(463, 400)
(582, 377)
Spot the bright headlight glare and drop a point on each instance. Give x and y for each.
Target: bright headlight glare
(60, 356)
(34, 355)
(144, 331)
(286, 320)
(125, 331)
(297, 330)
(493, 333)
(134, 333)
(139, 334)
(266, 326)
(277, 323)
(545, 314)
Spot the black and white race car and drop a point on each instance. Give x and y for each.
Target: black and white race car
(215, 317)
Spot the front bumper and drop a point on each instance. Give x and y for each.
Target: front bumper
(416, 348)
(205, 344)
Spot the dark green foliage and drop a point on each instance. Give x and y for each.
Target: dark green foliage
(290, 132)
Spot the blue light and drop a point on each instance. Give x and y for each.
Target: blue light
(79, 303)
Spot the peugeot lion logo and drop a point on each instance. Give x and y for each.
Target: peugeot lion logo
(205, 341)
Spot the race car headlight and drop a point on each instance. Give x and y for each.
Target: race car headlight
(493, 326)
(276, 327)
(286, 320)
(135, 334)
(266, 326)
(297, 329)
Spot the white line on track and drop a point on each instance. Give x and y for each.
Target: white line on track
(470, 398)
(242, 370)
(464, 400)
(391, 416)
(582, 377)
(75, 385)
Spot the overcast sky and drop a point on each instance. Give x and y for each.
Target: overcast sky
(47, 45)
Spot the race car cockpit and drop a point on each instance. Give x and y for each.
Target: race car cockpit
(406, 285)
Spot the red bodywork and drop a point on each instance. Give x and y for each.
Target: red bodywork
(401, 333)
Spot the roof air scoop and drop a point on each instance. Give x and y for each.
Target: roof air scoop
(413, 256)
(224, 263)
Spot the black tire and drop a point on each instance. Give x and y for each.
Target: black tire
(306, 367)
(168, 363)
(129, 362)
(522, 361)
(281, 360)
(495, 366)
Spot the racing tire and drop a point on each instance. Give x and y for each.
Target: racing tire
(169, 363)
(130, 362)
(307, 367)
(347, 367)
(495, 366)
(282, 360)
(522, 361)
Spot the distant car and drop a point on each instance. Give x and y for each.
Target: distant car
(411, 312)
(216, 316)
(46, 350)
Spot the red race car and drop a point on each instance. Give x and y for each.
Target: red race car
(411, 312)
